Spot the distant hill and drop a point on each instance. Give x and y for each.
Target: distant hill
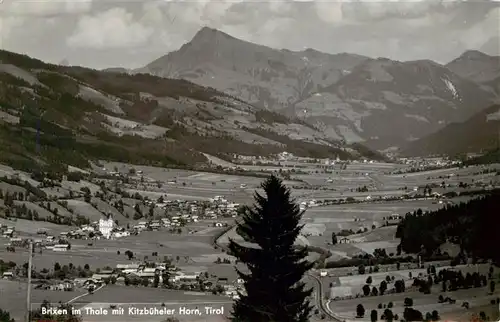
(489, 157)
(116, 70)
(84, 114)
(476, 66)
(479, 133)
(380, 102)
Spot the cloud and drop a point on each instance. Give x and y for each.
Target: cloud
(132, 32)
(480, 33)
(114, 28)
(42, 8)
(7, 25)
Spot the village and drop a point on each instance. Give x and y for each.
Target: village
(133, 271)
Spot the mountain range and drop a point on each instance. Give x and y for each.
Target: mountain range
(52, 115)
(352, 98)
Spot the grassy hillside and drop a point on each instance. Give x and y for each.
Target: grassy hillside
(85, 114)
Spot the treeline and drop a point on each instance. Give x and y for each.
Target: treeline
(492, 156)
(300, 148)
(472, 225)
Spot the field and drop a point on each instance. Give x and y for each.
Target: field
(320, 222)
(14, 297)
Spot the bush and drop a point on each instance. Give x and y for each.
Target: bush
(408, 301)
(412, 315)
(360, 311)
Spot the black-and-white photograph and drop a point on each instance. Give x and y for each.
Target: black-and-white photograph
(249, 161)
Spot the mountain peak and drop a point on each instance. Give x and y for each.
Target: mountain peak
(474, 54)
(208, 34)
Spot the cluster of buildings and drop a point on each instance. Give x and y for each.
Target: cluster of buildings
(140, 272)
(422, 164)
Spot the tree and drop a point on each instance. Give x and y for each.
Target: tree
(390, 305)
(435, 316)
(361, 269)
(5, 316)
(408, 301)
(360, 311)
(369, 280)
(374, 316)
(274, 291)
(383, 287)
(334, 238)
(129, 254)
(399, 285)
(366, 290)
(389, 316)
(492, 286)
(412, 315)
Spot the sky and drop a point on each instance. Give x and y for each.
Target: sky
(130, 34)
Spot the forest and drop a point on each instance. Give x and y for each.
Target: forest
(473, 225)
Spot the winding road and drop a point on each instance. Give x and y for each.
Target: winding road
(318, 289)
(319, 299)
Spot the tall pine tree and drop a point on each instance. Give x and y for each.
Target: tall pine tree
(274, 291)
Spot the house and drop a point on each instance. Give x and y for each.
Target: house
(166, 222)
(133, 266)
(101, 276)
(19, 242)
(344, 240)
(60, 247)
(106, 226)
(87, 228)
(186, 278)
(7, 275)
(393, 219)
(155, 225)
(118, 234)
(8, 233)
(142, 274)
(63, 286)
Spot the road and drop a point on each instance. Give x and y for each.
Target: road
(318, 289)
(319, 299)
(378, 183)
